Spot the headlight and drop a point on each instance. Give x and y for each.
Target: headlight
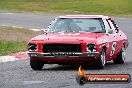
(32, 47)
(91, 47)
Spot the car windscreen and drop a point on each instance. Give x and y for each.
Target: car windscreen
(95, 25)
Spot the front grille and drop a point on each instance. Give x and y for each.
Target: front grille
(62, 48)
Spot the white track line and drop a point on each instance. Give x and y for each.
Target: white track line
(3, 25)
(36, 29)
(7, 58)
(7, 13)
(23, 27)
(14, 57)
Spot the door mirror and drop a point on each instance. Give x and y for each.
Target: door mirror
(44, 31)
(110, 31)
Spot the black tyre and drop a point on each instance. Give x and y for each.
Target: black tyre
(100, 63)
(121, 57)
(36, 64)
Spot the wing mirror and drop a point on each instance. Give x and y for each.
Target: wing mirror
(110, 31)
(44, 31)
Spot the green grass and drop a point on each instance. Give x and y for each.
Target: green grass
(13, 40)
(7, 47)
(106, 7)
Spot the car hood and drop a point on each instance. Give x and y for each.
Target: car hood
(65, 37)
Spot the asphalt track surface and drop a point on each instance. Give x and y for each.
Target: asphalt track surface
(18, 74)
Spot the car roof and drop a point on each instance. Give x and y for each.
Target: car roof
(84, 16)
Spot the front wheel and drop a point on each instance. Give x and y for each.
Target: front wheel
(100, 63)
(36, 64)
(121, 57)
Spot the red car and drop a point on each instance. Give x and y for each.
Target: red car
(74, 39)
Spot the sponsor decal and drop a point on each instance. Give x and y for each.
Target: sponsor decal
(84, 78)
(103, 40)
(69, 34)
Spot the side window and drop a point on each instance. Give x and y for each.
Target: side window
(112, 26)
(107, 25)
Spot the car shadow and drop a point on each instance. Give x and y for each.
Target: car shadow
(108, 66)
(126, 65)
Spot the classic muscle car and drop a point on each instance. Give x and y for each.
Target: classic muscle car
(74, 39)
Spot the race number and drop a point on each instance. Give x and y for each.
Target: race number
(113, 48)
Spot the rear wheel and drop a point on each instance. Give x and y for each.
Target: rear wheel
(121, 57)
(36, 64)
(100, 63)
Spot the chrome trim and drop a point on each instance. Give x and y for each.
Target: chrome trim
(62, 54)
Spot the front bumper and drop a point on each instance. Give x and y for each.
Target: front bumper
(62, 54)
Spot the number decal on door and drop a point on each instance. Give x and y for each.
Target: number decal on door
(113, 48)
